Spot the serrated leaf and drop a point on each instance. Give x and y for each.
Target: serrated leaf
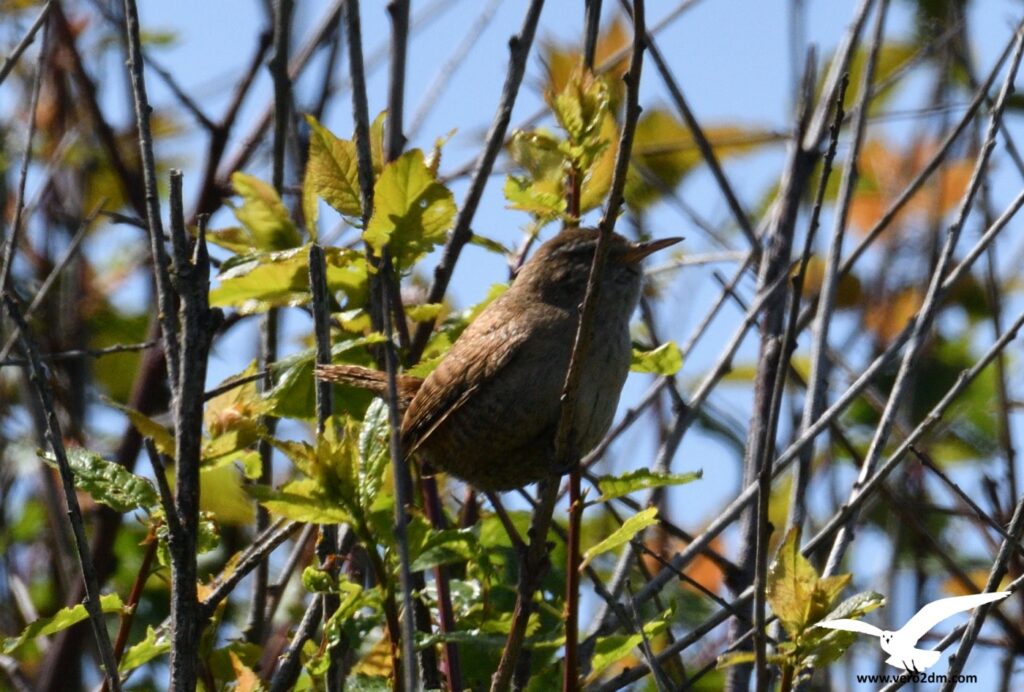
(58, 622)
(791, 584)
(331, 173)
(631, 527)
(263, 214)
(374, 455)
(412, 210)
(641, 479)
(663, 360)
(108, 483)
(545, 199)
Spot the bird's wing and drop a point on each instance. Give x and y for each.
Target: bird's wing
(937, 611)
(849, 625)
(491, 346)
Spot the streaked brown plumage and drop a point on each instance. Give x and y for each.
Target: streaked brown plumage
(489, 411)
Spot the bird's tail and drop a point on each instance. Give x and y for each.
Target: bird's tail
(371, 380)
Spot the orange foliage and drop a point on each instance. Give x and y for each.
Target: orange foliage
(886, 172)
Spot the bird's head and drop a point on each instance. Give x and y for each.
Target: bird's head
(559, 270)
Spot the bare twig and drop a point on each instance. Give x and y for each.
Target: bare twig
(927, 312)
(11, 60)
(56, 441)
(19, 202)
(165, 295)
(519, 50)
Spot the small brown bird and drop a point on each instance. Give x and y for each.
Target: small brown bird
(488, 413)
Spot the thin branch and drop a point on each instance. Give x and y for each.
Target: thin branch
(19, 203)
(191, 276)
(446, 72)
(11, 60)
(926, 314)
(288, 671)
(54, 274)
(390, 300)
(262, 546)
(158, 254)
(37, 375)
(519, 50)
(814, 401)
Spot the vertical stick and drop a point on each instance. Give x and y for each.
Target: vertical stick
(53, 433)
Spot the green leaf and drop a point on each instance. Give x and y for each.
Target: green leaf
(425, 312)
(58, 622)
(612, 648)
(300, 501)
(281, 279)
(630, 527)
(145, 651)
(822, 646)
(293, 395)
(108, 483)
(316, 580)
(543, 198)
(147, 427)
(445, 547)
(412, 211)
(663, 360)
(263, 214)
(377, 142)
(208, 539)
(234, 238)
(641, 479)
(735, 658)
(374, 453)
(331, 173)
(792, 581)
(580, 107)
(221, 494)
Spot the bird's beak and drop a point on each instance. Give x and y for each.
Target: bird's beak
(640, 250)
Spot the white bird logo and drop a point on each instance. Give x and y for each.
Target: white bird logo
(900, 645)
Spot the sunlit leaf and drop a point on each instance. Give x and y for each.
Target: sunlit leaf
(331, 173)
(631, 527)
(412, 210)
(107, 482)
(611, 648)
(791, 584)
(281, 279)
(58, 622)
(222, 495)
(641, 479)
(425, 312)
(147, 427)
(263, 214)
(301, 501)
(663, 360)
(141, 653)
(374, 455)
